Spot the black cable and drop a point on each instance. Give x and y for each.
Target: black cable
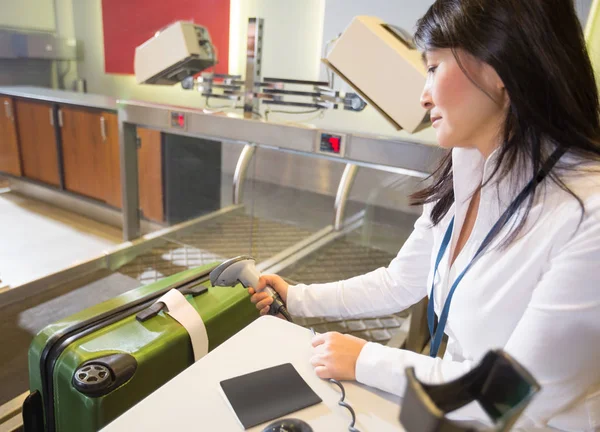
(283, 311)
(278, 307)
(296, 112)
(344, 404)
(267, 112)
(341, 402)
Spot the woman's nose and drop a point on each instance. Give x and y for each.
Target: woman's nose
(426, 101)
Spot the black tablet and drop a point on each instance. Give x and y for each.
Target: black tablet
(268, 394)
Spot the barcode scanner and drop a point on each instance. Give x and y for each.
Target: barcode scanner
(242, 269)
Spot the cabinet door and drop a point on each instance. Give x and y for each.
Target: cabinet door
(90, 141)
(83, 152)
(10, 157)
(35, 125)
(150, 178)
(112, 169)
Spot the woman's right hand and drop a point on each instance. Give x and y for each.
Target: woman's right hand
(261, 299)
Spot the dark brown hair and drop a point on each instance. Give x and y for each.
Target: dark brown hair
(538, 49)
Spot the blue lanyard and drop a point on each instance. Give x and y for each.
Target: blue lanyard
(436, 330)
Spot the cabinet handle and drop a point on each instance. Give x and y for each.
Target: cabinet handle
(8, 109)
(60, 118)
(51, 117)
(103, 128)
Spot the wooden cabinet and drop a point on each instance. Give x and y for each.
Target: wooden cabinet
(88, 138)
(150, 179)
(37, 139)
(90, 148)
(113, 164)
(10, 156)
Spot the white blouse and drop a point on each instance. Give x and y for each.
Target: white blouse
(538, 299)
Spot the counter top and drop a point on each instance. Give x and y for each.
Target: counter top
(62, 97)
(193, 400)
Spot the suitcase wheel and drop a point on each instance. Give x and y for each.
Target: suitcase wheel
(100, 376)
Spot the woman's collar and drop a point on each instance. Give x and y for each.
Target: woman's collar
(467, 171)
(470, 169)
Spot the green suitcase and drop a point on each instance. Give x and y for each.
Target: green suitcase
(90, 368)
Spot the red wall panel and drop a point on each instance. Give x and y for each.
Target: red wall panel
(128, 23)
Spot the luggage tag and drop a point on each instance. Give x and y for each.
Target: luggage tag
(184, 313)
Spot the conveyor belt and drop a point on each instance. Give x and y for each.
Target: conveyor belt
(228, 236)
(339, 260)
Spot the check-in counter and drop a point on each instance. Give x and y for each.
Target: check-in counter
(224, 185)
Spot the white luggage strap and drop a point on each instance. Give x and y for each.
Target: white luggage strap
(185, 314)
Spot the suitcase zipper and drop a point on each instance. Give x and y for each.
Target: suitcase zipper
(60, 341)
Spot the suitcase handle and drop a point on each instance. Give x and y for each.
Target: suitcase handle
(155, 309)
(150, 312)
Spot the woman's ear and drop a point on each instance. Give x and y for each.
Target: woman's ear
(496, 84)
(501, 91)
(506, 98)
(491, 77)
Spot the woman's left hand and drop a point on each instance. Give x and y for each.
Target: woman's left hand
(335, 355)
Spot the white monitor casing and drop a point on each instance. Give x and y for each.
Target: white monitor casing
(180, 50)
(385, 70)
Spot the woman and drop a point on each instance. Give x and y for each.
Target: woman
(511, 91)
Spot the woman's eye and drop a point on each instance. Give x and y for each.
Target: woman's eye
(431, 69)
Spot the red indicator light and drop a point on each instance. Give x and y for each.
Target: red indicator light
(334, 142)
(181, 120)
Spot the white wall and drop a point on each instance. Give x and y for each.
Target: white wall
(583, 10)
(293, 32)
(27, 14)
(55, 16)
(65, 73)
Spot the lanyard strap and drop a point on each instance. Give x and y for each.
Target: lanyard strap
(436, 329)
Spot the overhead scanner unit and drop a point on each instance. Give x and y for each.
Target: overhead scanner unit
(381, 63)
(174, 53)
(378, 60)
